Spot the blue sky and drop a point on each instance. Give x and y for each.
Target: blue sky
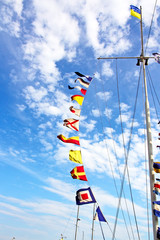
(42, 44)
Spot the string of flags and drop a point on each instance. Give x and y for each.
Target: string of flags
(156, 190)
(84, 195)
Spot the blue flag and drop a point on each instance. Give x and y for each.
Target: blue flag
(99, 215)
(158, 233)
(84, 196)
(156, 209)
(81, 75)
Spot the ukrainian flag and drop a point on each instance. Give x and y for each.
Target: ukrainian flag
(135, 11)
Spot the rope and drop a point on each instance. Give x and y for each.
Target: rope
(109, 157)
(126, 155)
(151, 25)
(119, 176)
(152, 87)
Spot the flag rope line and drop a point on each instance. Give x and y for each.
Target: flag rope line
(115, 152)
(115, 184)
(126, 155)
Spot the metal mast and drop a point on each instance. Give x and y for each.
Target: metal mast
(143, 60)
(149, 136)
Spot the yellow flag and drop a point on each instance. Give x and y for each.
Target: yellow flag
(75, 156)
(77, 98)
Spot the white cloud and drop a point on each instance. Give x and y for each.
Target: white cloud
(104, 95)
(106, 69)
(95, 112)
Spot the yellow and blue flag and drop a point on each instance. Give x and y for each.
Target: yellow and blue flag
(135, 11)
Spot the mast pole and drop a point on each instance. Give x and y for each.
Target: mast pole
(77, 223)
(149, 138)
(94, 207)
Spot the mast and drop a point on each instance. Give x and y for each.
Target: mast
(94, 207)
(149, 136)
(144, 61)
(77, 223)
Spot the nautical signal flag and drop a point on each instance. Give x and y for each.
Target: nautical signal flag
(156, 209)
(75, 156)
(83, 91)
(71, 123)
(135, 11)
(74, 140)
(79, 173)
(77, 98)
(158, 233)
(81, 75)
(82, 82)
(156, 188)
(156, 57)
(85, 196)
(99, 215)
(75, 111)
(156, 167)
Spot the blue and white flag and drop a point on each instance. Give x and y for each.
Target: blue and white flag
(84, 196)
(156, 57)
(99, 215)
(156, 209)
(81, 75)
(156, 188)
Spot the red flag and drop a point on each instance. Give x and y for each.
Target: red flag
(79, 173)
(74, 140)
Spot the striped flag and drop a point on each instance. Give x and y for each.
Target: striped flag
(74, 140)
(78, 99)
(75, 111)
(135, 11)
(99, 215)
(81, 75)
(83, 91)
(156, 167)
(156, 188)
(82, 82)
(71, 123)
(79, 173)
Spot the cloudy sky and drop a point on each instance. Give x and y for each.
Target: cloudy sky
(42, 45)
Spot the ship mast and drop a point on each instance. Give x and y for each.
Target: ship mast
(149, 135)
(143, 60)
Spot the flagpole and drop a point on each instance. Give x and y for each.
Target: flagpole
(149, 138)
(77, 223)
(94, 207)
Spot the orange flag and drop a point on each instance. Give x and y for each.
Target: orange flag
(78, 98)
(79, 173)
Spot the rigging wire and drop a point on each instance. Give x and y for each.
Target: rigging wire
(151, 25)
(115, 152)
(152, 87)
(106, 145)
(126, 154)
